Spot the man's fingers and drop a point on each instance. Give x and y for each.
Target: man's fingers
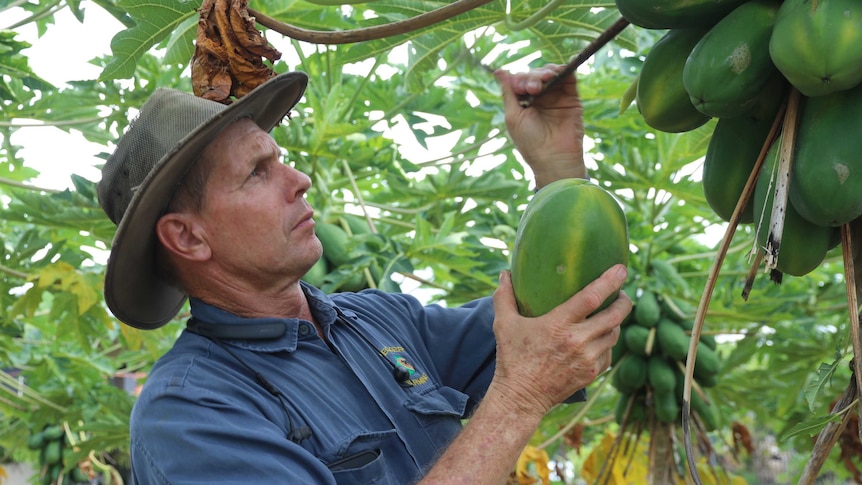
(591, 297)
(504, 296)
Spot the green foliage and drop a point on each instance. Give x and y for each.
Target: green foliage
(440, 223)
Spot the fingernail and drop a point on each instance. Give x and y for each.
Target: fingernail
(622, 273)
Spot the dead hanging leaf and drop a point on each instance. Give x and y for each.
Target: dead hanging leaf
(742, 438)
(574, 438)
(532, 467)
(229, 52)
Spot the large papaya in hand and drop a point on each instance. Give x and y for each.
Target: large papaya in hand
(661, 97)
(727, 70)
(571, 232)
(733, 150)
(817, 44)
(673, 14)
(803, 244)
(827, 170)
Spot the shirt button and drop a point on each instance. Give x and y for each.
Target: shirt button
(304, 330)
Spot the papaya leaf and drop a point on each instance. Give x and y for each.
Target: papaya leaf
(156, 20)
(821, 379)
(810, 427)
(181, 45)
(16, 66)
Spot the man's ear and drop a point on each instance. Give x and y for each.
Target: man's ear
(180, 235)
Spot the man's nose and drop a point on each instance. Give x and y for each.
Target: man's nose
(296, 182)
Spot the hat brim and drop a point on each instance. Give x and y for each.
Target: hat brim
(134, 292)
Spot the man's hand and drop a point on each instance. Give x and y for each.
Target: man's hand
(543, 360)
(550, 132)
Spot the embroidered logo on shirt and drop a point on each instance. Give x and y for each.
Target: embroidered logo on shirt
(415, 377)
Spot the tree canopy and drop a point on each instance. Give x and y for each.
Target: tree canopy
(439, 221)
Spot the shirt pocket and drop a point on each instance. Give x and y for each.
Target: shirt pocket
(439, 411)
(363, 467)
(360, 459)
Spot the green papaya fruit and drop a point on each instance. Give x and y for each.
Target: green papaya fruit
(673, 14)
(53, 452)
(637, 411)
(666, 407)
(571, 232)
(817, 45)
(660, 375)
(53, 432)
(708, 340)
(803, 244)
(706, 363)
(618, 350)
(733, 150)
(36, 441)
(677, 308)
(827, 167)
(631, 373)
(76, 475)
(317, 273)
(699, 407)
(647, 309)
(728, 68)
(357, 224)
(661, 97)
(707, 412)
(335, 243)
(672, 339)
(636, 338)
(710, 380)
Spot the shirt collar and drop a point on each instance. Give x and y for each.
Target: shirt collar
(320, 304)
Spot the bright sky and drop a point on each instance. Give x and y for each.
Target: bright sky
(59, 56)
(57, 154)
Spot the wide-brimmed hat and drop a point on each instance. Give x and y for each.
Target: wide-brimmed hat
(140, 178)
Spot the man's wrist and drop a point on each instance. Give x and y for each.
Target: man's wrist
(548, 176)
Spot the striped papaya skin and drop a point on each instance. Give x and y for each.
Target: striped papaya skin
(817, 45)
(728, 68)
(672, 14)
(571, 232)
(661, 96)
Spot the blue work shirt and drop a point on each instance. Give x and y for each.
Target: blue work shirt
(202, 416)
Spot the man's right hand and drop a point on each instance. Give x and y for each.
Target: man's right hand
(543, 360)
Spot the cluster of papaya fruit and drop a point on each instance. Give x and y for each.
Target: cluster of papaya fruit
(51, 443)
(649, 360)
(341, 268)
(737, 61)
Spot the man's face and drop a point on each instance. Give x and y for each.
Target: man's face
(257, 222)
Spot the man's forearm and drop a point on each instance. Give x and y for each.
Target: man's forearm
(488, 448)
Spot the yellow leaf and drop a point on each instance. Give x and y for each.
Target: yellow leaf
(67, 278)
(539, 459)
(632, 467)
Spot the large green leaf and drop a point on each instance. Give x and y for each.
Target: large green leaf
(155, 21)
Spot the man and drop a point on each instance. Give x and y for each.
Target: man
(275, 382)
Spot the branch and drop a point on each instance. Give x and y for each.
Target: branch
(49, 9)
(21, 185)
(49, 124)
(14, 272)
(368, 33)
(589, 50)
(782, 183)
(532, 19)
(829, 435)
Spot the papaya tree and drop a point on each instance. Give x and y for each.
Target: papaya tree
(439, 223)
